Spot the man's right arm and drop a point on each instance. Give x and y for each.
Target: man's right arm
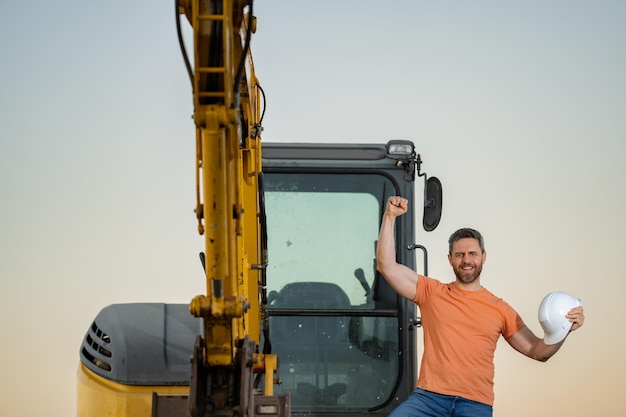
(401, 278)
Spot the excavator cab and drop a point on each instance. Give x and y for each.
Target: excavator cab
(344, 338)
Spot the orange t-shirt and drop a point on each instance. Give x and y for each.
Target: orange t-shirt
(461, 330)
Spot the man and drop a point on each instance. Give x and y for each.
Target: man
(462, 323)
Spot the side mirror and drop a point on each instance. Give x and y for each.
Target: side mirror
(433, 198)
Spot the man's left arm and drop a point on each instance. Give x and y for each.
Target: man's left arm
(525, 341)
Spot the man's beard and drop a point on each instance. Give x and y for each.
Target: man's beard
(468, 279)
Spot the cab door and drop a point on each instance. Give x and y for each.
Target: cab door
(342, 335)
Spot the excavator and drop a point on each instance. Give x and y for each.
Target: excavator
(290, 232)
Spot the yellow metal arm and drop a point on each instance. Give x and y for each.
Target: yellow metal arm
(228, 162)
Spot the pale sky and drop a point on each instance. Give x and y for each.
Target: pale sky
(517, 107)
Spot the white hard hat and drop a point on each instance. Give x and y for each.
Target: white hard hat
(552, 311)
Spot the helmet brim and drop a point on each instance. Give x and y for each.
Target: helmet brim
(554, 338)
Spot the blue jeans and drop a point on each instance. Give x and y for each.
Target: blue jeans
(423, 403)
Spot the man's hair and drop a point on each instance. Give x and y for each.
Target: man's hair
(466, 232)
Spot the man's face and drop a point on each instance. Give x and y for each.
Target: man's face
(467, 259)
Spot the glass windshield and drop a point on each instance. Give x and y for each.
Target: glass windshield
(337, 351)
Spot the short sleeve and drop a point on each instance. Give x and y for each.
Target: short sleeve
(425, 287)
(512, 321)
